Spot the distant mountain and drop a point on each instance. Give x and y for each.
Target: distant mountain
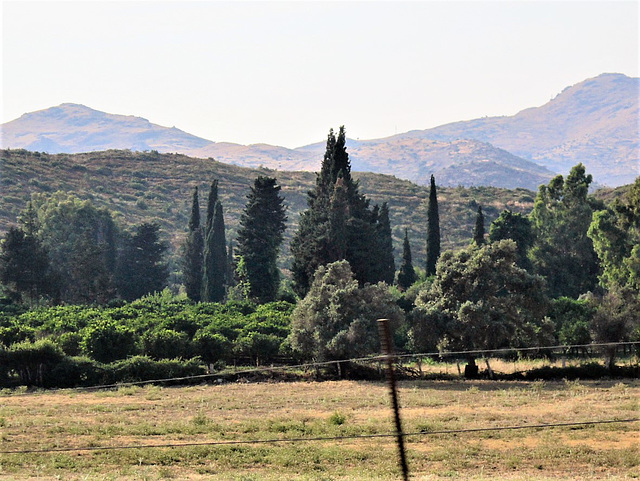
(72, 128)
(595, 122)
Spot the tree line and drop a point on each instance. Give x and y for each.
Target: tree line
(568, 272)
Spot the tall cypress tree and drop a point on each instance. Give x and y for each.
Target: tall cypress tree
(260, 235)
(478, 230)
(406, 274)
(193, 253)
(433, 230)
(214, 279)
(383, 228)
(211, 205)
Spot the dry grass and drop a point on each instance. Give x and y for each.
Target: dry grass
(154, 415)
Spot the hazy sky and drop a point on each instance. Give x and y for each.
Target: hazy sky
(285, 72)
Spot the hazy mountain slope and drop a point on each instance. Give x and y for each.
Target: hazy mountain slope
(149, 186)
(73, 128)
(595, 122)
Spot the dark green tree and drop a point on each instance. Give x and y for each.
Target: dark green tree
(433, 230)
(193, 249)
(337, 318)
(81, 241)
(260, 236)
(338, 223)
(215, 269)
(615, 233)
(563, 253)
(516, 227)
(406, 274)
(478, 230)
(24, 266)
(211, 206)
(385, 245)
(480, 300)
(142, 269)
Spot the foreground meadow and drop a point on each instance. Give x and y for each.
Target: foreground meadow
(143, 416)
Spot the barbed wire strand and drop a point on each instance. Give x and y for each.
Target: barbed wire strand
(376, 358)
(319, 438)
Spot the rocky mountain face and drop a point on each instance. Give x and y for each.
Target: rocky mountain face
(594, 122)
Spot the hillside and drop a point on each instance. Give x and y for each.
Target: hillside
(594, 122)
(150, 186)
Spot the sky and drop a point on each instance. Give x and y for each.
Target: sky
(284, 73)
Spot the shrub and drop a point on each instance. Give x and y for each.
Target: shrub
(164, 344)
(107, 341)
(33, 360)
(142, 368)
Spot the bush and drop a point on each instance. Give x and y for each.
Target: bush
(211, 346)
(107, 341)
(32, 361)
(142, 368)
(165, 344)
(75, 371)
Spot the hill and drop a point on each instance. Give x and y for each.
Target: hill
(594, 122)
(73, 128)
(149, 186)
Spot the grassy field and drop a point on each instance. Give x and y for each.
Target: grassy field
(136, 416)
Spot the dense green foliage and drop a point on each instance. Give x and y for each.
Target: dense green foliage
(480, 299)
(562, 252)
(517, 227)
(260, 236)
(337, 318)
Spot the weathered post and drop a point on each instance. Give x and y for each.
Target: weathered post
(387, 350)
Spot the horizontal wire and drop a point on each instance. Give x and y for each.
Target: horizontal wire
(319, 438)
(377, 358)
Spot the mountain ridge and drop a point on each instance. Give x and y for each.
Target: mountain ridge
(590, 122)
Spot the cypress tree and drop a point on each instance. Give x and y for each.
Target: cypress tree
(260, 235)
(406, 274)
(214, 279)
(211, 204)
(478, 230)
(335, 219)
(383, 228)
(193, 253)
(433, 230)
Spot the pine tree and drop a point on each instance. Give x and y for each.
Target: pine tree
(260, 235)
(478, 230)
(406, 274)
(433, 230)
(194, 253)
(385, 240)
(215, 259)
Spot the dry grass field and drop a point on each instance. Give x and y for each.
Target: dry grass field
(142, 416)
